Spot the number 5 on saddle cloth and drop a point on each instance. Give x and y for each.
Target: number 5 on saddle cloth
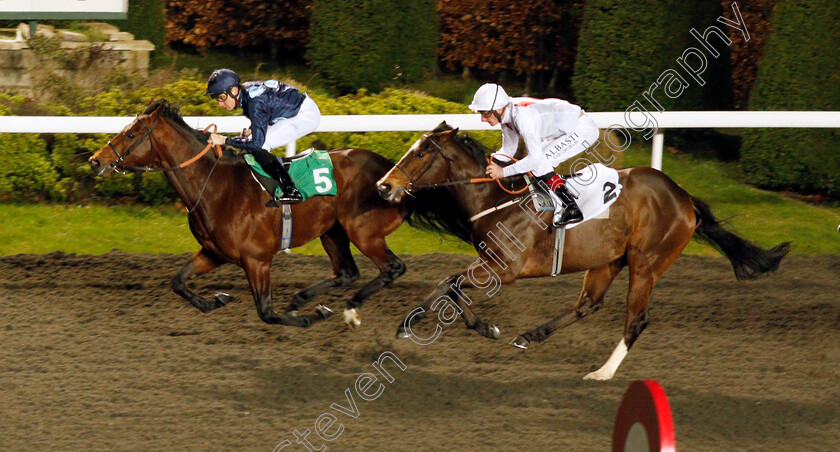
(311, 170)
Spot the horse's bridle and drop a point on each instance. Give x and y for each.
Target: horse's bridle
(411, 187)
(120, 163)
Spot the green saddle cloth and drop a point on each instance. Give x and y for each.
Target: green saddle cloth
(312, 175)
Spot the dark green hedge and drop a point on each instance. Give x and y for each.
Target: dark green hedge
(625, 45)
(800, 71)
(372, 43)
(146, 20)
(54, 167)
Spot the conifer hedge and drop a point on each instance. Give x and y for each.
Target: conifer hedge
(625, 45)
(800, 71)
(368, 43)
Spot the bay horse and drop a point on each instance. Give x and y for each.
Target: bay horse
(228, 218)
(649, 225)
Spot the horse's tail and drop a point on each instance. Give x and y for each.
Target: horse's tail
(748, 260)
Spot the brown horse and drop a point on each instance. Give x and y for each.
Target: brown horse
(228, 217)
(649, 225)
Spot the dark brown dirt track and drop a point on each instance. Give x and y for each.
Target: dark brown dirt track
(99, 354)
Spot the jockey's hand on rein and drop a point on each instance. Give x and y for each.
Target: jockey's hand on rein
(217, 139)
(495, 171)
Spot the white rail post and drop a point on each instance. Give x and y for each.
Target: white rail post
(291, 148)
(656, 151)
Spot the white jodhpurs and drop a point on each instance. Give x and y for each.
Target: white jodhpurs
(573, 143)
(287, 130)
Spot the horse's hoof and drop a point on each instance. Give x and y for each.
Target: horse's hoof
(223, 298)
(352, 318)
(494, 332)
(598, 375)
(402, 334)
(520, 342)
(322, 310)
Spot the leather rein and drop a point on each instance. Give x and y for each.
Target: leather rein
(411, 187)
(119, 165)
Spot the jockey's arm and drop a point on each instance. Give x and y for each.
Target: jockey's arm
(259, 125)
(510, 140)
(529, 129)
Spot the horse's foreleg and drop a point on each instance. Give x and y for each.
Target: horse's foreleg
(595, 285)
(259, 279)
(337, 246)
(642, 280)
(405, 330)
(200, 263)
(449, 298)
(473, 321)
(390, 268)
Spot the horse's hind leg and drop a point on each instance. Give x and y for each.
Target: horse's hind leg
(595, 285)
(642, 279)
(390, 266)
(337, 246)
(259, 278)
(200, 263)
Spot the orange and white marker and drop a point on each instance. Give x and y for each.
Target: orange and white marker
(643, 422)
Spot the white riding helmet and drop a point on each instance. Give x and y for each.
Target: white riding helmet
(489, 97)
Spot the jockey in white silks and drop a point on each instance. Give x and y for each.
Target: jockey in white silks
(553, 130)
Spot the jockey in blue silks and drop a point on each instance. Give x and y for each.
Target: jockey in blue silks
(279, 114)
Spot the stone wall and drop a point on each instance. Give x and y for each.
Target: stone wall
(17, 60)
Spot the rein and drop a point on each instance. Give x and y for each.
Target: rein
(474, 180)
(148, 169)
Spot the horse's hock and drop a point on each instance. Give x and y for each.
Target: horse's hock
(17, 59)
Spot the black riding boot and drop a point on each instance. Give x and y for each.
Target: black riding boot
(571, 211)
(291, 195)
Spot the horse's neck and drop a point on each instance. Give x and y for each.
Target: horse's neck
(478, 197)
(187, 182)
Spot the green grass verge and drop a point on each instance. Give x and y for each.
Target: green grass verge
(764, 217)
(42, 228)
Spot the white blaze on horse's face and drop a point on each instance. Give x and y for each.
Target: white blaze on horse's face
(392, 186)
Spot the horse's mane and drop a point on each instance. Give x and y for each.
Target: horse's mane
(474, 148)
(438, 210)
(173, 114)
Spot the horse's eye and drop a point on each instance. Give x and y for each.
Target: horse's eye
(130, 135)
(419, 155)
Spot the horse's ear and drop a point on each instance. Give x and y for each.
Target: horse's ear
(442, 127)
(451, 132)
(154, 107)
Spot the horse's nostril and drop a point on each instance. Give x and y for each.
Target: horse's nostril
(384, 188)
(94, 164)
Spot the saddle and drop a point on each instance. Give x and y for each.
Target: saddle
(311, 171)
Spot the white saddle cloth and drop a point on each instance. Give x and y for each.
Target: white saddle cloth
(596, 188)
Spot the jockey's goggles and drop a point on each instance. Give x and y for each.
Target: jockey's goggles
(221, 97)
